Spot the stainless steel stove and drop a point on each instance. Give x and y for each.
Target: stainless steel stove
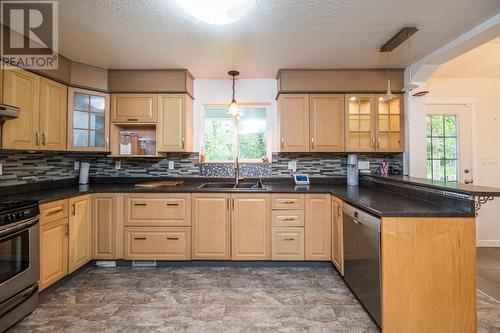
(19, 260)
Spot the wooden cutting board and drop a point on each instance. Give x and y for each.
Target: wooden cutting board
(161, 183)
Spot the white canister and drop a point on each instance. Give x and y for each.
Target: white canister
(84, 173)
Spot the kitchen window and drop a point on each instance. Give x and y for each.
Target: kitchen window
(442, 147)
(225, 137)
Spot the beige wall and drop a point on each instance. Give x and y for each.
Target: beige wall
(484, 94)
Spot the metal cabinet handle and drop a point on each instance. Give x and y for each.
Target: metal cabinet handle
(287, 202)
(132, 119)
(373, 142)
(183, 143)
(140, 204)
(172, 204)
(312, 142)
(228, 205)
(282, 142)
(140, 238)
(66, 232)
(378, 142)
(37, 139)
(43, 139)
(233, 203)
(288, 219)
(288, 239)
(172, 238)
(52, 212)
(73, 209)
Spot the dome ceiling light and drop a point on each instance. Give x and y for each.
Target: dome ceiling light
(217, 12)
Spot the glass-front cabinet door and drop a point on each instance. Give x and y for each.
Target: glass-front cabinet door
(389, 123)
(88, 120)
(360, 123)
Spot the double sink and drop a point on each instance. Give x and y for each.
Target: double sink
(241, 186)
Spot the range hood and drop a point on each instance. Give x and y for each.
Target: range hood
(8, 112)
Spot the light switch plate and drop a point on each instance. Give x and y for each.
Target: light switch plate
(77, 165)
(118, 165)
(364, 165)
(170, 165)
(292, 165)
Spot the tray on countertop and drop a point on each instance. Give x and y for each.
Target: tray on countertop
(161, 183)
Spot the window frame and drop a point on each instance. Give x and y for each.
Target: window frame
(443, 137)
(243, 106)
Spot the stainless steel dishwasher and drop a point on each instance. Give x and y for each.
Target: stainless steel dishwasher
(362, 258)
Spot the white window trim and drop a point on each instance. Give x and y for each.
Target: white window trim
(269, 135)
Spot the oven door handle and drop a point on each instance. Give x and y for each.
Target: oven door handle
(10, 230)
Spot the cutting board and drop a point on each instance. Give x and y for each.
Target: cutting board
(161, 183)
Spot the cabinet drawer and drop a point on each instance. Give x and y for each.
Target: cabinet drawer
(288, 218)
(157, 210)
(288, 201)
(288, 243)
(53, 211)
(167, 243)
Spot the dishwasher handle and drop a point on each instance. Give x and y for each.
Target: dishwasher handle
(361, 217)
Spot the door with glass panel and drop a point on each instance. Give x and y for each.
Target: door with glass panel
(360, 130)
(449, 143)
(88, 120)
(389, 124)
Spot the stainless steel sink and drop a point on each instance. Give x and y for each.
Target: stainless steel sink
(240, 186)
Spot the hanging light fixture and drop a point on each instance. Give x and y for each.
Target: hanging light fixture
(388, 95)
(233, 107)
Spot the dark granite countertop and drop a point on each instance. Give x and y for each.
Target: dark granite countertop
(377, 201)
(468, 189)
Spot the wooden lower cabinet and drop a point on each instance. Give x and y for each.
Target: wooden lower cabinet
(337, 235)
(318, 223)
(428, 275)
(157, 243)
(80, 242)
(53, 251)
(107, 226)
(211, 226)
(251, 227)
(287, 243)
(153, 209)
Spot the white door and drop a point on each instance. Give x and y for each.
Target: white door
(449, 142)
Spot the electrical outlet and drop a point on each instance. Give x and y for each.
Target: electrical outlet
(77, 165)
(170, 165)
(118, 165)
(1, 169)
(292, 165)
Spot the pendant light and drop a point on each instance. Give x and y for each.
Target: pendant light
(233, 107)
(411, 86)
(388, 95)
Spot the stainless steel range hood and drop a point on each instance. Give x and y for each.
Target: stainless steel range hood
(7, 112)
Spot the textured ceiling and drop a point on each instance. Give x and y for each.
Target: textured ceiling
(481, 62)
(273, 34)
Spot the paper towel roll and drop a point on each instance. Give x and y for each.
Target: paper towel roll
(84, 173)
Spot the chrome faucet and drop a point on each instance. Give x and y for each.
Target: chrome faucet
(236, 170)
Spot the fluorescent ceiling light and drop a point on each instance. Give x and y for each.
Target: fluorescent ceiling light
(217, 12)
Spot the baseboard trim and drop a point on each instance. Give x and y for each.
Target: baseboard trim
(488, 243)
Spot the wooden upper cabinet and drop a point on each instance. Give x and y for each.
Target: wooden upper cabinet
(1, 82)
(80, 242)
(337, 235)
(389, 124)
(134, 108)
(251, 227)
(88, 120)
(53, 113)
(318, 225)
(175, 124)
(360, 126)
(326, 122)
(293, 114)
(22, 89)
(211, 226)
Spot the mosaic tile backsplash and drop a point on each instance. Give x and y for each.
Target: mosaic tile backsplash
(31, 167)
